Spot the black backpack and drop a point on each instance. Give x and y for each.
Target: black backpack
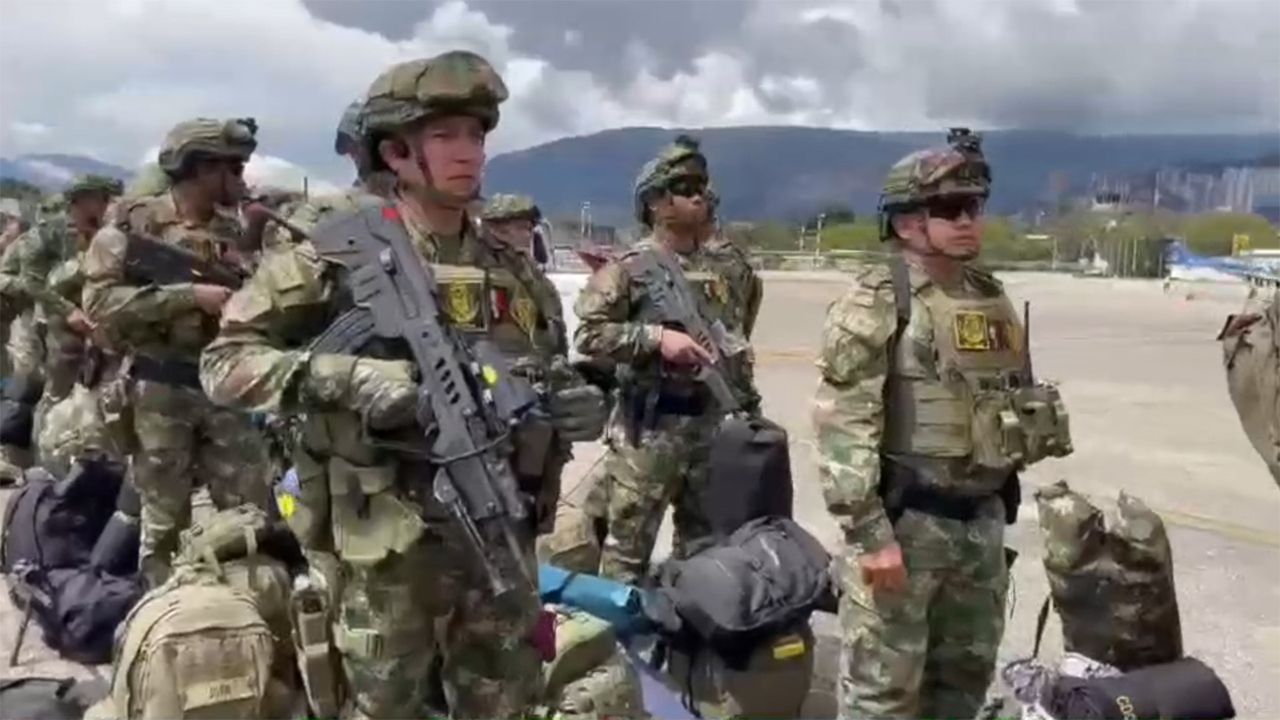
(52, 524)
(764, 580)
(44, 698)
(50, 530)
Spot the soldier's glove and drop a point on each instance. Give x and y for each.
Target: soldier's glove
(578, 413)
(383, 392)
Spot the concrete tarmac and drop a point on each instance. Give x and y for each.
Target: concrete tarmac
(1142, 378)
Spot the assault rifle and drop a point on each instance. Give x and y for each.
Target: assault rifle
(680, 309)
(471, 400)
(151, 261)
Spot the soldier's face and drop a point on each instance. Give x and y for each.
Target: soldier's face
(954, 225)
(453, 148)
(684, 204)
(517, 233)
(87, 211)
(223, 179)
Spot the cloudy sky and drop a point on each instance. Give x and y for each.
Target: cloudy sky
(107, 78)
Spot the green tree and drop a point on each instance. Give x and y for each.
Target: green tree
(12, 188)
(1211, 233)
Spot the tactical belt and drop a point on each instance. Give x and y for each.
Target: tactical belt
(901, 490)
(931, 501)
(168, 371)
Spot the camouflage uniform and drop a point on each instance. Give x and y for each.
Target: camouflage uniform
(51, 277)
(746, 288)
(504, 208)
(178, 437)
(921, 446)
(646, 469)
(411, 602)
(23, 352)
(1251, 357)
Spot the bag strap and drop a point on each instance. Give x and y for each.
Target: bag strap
(1042, 618)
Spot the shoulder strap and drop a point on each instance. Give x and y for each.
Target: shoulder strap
(1042, 618)
(901, 279)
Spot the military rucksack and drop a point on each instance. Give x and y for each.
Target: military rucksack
(590, 675)
(1251, 354)
(1110, 579)
(194, 647)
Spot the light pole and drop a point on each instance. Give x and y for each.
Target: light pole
(584, 220)
(817, 239)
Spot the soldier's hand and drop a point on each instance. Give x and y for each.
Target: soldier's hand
(578, 413)
(883, 570)
(387, 396)
(80, 323)
(211, 298)
(680, 349)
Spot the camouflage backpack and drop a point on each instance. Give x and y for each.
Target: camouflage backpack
(194, 648)
(1110, 579)
(227, 542)
(590, 675)
(1251, 355)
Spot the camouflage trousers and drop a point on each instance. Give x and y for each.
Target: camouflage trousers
(25, 352)
(424, 621)
(667, 467)
(74, 428)
(930, 651)
(183, 440)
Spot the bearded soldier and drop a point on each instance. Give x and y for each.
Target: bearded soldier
(412, 597)
(665, 418)
(926, 412)
(179, 438)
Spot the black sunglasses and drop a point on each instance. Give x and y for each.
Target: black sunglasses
(687, 187)
(951, 208)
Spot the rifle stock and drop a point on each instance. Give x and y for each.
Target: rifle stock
(474, 401)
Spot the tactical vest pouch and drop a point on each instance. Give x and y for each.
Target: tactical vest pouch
(612, 689)
(1111, 579)
(194, 648)
(999, 436)
(584, 642)
(1045, 422)
(370, 519)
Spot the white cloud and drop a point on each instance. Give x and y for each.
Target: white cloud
(107, 78)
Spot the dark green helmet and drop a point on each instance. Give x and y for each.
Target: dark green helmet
(501, 207)
(93, 185)
(205, 137)
(350, 131)
(682, 158)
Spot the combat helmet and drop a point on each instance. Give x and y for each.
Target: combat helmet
(682, 158)
(958, 168)
(207, 138)
(504, 207)
(93, 184)
(458, 82)
(349, 130)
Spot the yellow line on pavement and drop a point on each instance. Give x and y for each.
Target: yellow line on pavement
(786, 355)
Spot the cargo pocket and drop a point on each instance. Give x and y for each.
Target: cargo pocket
(370, 520)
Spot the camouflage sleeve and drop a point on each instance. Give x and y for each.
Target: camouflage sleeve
(247, 366)
(606, 329)
(41, 258)
(848, 415)
(109, 299)
(11, 270)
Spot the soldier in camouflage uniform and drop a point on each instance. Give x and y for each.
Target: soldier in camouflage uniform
(920, 441)
(47, 273)
(411, 597)
(178, 438)
(42, 272)
(663, 424)
(1251, 357)
(746, 288)
(516, 220)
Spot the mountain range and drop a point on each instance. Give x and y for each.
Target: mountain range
(791, 172)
